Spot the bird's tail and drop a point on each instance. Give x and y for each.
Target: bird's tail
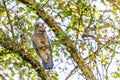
(48, 65)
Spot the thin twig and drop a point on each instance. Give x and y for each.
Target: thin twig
(71, 73)
(1, 76)
(9, 20)
(99, 43)
(45, 3)
(6, 27)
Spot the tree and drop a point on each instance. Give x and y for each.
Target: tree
(87, 38)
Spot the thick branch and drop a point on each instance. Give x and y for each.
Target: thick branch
(35, 64)
(71, 47)
(27, 57)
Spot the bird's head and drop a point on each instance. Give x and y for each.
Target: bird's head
(39, 27)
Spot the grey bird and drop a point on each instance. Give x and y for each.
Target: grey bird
(42, 45)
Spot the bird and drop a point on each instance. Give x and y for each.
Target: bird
(42, 46)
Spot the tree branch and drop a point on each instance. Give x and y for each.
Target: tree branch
(70, 47)
(27, 57)
(2, 77)
(35, 64)
(9, 20)
(71, 73)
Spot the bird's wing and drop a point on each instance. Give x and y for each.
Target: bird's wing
(41, 46)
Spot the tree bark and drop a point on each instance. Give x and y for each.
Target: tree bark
(68, 43)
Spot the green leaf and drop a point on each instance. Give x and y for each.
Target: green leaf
(56, 53)
(55, 77)
(41, 0)
(21, 9)
(65, 54)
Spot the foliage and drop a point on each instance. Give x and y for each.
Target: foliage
(94, 32)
